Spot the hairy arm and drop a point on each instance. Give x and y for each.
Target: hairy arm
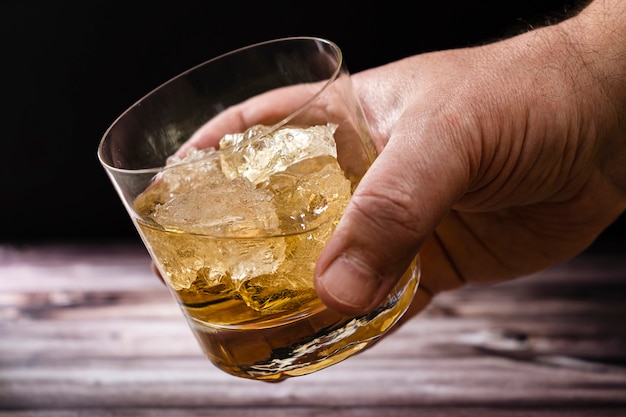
(497, 161)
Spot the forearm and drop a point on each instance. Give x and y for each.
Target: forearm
(598, 36)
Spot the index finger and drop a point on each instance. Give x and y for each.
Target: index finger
(270, 108)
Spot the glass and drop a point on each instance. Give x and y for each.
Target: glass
(235, 173)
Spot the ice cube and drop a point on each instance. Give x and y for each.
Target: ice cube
(309, 193)
(196, 197)
(259, 152)
(244, 259)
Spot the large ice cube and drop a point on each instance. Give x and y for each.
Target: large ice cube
(196, 197)
(258, 152)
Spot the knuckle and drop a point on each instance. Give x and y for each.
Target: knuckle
(388, 212)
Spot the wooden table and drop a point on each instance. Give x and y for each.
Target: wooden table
(89, 331)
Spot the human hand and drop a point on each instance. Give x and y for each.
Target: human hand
(494, 162)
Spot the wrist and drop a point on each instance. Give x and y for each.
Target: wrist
(598, 36)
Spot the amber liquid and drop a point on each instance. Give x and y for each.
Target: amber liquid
(261, 331)
(298, 344)
(249, 296)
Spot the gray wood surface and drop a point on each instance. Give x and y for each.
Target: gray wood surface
(89, 331)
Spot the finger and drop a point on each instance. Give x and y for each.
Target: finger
(399, 202)
(267, 109)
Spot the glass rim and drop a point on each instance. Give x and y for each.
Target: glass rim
(332, 77)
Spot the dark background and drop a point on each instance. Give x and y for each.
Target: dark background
(69, 69)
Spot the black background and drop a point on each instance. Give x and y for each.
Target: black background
(69, 69)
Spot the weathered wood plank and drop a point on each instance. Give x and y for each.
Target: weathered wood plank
(90, 331)
(325, 411)
(445, 382)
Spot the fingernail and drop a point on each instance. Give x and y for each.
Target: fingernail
(350, 282)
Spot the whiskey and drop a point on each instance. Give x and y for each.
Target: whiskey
(236, 234)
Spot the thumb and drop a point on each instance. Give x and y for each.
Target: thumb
(397, 205)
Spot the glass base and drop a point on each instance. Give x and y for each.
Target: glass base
(305, 344)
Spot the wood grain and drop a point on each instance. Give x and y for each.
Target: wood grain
(87, 330)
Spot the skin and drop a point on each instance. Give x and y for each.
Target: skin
(494, 161)
(497, 161)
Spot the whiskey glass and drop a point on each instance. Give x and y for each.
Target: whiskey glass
(235, 173)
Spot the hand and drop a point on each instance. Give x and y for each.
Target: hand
(495, 161)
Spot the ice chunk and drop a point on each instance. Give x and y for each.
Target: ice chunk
(309, 193)
(243, 259)
(250, 217)
(259, 152)
(194, 196)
